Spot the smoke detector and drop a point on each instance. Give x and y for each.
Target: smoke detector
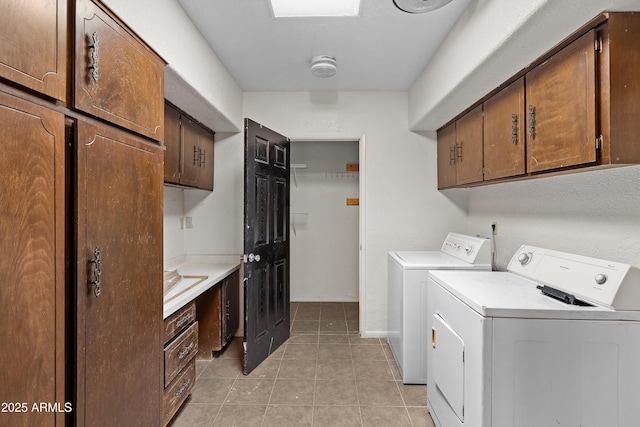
(419, 6)
(323, 66)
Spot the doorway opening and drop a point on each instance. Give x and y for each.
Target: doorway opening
(325, 221)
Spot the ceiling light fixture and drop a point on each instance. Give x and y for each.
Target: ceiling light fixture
(324, 66)
(419, 6)
(311, 8)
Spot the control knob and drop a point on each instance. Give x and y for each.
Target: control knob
(524, 258)
(601, 279)
(469, 249)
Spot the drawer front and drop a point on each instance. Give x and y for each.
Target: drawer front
(178, 390)
(179, 320)
(117, 77)
(180, 352)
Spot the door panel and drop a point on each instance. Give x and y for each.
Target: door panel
(561, 98)
(32, 271)
(33, 51)
(266, 244)
(120, 329)
(469, 150)
(503, 136)
(448, 364)
(446, 157)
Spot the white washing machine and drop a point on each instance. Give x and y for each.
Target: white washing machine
(408, 275)
(505, 354)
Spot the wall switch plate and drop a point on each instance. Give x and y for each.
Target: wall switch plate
(494, 227)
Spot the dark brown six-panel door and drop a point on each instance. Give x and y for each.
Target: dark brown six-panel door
(266, 243)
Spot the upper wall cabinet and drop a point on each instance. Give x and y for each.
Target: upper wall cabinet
(561, 108)
(460, 151)
(575, 108)
(33, 49)
(189, 154)
(117, 77)
(503, 132)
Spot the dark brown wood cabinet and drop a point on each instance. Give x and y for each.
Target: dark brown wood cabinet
(460, 150)
(581, 104)
(81, 217)
(180, 348)
(117, 77)
(119, 235)
(218, 311)
(34, 45)
(32, 264)
(504, 139)
(561, 108)
(190, 148)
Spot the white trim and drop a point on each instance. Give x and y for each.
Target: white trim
(362, 244)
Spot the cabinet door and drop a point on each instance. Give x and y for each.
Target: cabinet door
(33, 46)
(561, 98)
(172, 155)
(446, 157)
(469, 147)
(32, 268)
(120, 329)
(504, 117)
(197, 154)
(117, 78)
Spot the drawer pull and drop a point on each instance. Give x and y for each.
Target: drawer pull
(185, 351)
(532, 121)
(184, 319)
(95, 58)
(182, 389)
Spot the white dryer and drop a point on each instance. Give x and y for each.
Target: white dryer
(408, 275)
(553, 341)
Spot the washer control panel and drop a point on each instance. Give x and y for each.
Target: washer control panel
(475, 250)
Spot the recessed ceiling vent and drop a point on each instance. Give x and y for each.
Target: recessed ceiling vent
(419, 6)
(324, 66)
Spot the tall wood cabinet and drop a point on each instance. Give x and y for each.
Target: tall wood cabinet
(119, 277)
(80, 217)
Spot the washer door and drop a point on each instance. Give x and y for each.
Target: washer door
(448, 364)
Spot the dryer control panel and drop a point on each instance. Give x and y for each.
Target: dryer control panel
(608, 283)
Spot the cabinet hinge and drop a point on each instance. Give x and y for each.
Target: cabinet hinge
(598, 44)
(599, 142)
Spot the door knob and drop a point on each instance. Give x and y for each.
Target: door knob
(252, 257)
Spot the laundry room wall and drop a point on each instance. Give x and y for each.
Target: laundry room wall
(403, 209)
(324, 229)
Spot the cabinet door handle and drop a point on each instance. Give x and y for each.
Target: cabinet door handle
(458, 152)
(203, 158)
(514, 128)
(452, 155)
(94, 56)
(532, 121)
(196, 156)
(97, 272)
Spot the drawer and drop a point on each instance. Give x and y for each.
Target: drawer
(180, 352)
(179, 320)
(178, 390)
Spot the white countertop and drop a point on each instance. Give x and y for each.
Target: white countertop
(199, 274)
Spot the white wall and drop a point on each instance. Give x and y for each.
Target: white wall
(595, 213)
(324, 230)
(403, 208)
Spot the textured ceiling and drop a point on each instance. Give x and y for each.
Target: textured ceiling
(382, 49)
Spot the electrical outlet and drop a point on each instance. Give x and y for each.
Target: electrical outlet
(188, 222)
(494, 227)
